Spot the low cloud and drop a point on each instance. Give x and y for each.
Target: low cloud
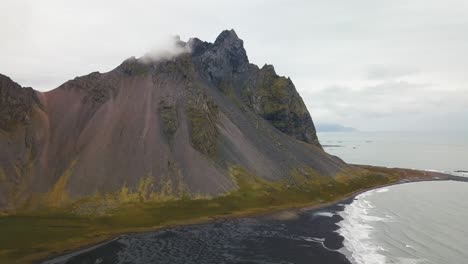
(166, 50)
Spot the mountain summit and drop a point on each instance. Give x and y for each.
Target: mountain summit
(183, 125)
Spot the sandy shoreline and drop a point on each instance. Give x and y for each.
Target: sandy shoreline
(274, 213)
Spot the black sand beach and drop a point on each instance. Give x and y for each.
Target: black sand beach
(292, 236)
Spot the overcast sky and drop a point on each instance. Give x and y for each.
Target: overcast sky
(368, 64)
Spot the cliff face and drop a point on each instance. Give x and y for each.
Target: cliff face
(273, 97)
(160, 127)
(15, 104)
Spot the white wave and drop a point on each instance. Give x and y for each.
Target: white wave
(451, 172)
(432, 170)
(356, 228)
(314, 239)
(382, 190)
(326, 214)
(318, 240)
(382, 248)
(459, 173)
(410, 261)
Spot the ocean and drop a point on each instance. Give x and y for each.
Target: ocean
(410, 223)
(439, 151)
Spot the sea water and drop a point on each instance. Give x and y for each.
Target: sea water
(440, 151)
(425, 222)
(422, 222)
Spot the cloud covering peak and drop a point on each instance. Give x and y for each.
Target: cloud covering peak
(166, 50)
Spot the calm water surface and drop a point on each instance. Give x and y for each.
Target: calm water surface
(439, 151)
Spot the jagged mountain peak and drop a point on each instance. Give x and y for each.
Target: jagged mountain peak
(268, 68)
(6, 81)
(228, 37)
(15, 103)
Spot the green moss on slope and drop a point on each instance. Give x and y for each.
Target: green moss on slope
(168, 116)
(276, 100)
(204, 134)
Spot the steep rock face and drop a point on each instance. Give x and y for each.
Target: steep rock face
(15, 104)
(20, 128)
(168, 127)
(274, 98)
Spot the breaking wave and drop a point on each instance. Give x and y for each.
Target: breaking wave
(356, 228)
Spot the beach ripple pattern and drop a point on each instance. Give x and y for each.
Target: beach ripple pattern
(309, 238)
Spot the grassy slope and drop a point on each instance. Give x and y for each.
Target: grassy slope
(34, 235)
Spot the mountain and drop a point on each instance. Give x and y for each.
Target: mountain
(182, 125)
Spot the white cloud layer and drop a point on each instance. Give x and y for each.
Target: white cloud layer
(373, 65)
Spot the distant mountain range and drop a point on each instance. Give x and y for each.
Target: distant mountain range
(331, 127)
(168, 126)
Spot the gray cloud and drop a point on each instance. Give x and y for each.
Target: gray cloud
(393, 64)
(390, 104)
(379, 72)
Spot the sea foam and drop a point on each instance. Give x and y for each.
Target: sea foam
(325, 214)
(381, 190)
(356, 228)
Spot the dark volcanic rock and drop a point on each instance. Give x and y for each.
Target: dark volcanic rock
(221, 61)
(275, 98)
(15, 103)
(168, 126)
(271, 96)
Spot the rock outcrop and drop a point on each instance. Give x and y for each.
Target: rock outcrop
(15, 104)
(173, 126)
